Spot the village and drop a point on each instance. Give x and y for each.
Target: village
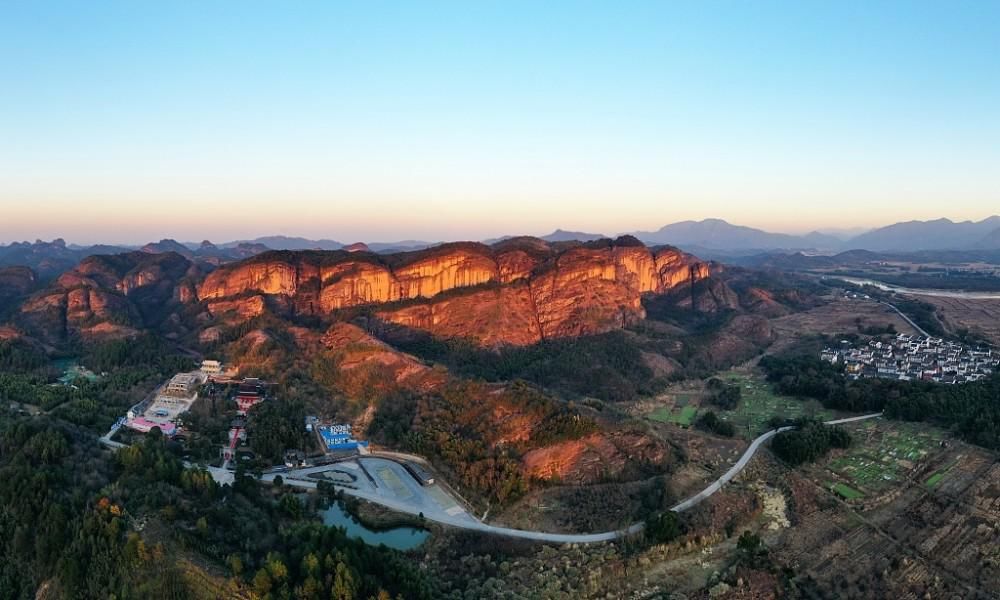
(911, 357)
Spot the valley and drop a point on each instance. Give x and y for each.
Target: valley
(560, 394)
(499, 301)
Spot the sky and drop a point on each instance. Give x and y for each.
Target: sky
(131, 121)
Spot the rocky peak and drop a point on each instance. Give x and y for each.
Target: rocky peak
(101, 295)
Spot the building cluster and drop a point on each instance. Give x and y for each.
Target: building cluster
(909, 357)
(335, 437)
(163, 408)
(218, 372)
(251, 392)
(182, 385)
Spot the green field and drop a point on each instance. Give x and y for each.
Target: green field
(679, 415)
(934, 479)
(759, 404)
(879, 458)
(847, 492)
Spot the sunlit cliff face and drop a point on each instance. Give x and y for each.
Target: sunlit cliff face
(512, 294)
(517, 292)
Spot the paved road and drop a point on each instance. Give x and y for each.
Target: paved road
(908, 319)
(411, 498)
(458, 517)
(106, 438)
(731, 473)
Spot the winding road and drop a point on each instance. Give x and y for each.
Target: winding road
(461, 518)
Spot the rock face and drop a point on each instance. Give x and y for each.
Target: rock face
(109, 296)
(17, 280)
(357, 247)
(366, 365)
(588, 459)
(15, 284)
(520, 291)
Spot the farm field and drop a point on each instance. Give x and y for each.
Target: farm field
(938, 475)
(978, 316)
(758, 404)
(681, 415)
(846, 492)
(934, 479)
(838, 316)
(883, 454)
(933, 533)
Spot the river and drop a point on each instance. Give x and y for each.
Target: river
(919, 291)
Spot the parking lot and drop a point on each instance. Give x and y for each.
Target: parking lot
(386, 482)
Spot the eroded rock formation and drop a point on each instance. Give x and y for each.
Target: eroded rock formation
(109, 296)
(517, 292)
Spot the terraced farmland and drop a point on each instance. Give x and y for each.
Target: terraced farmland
(884, 453)
(846, 492)
(758, 404)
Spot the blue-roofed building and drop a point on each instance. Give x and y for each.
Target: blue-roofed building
(338, 437)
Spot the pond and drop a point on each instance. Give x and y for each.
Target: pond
(71, 371)
(399, 538)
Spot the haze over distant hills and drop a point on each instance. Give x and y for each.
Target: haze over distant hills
(941, 234)
(710, 238)
(910, 236)
(561, 235)
(717, 234)
(284, 242)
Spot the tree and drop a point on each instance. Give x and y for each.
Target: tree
(749, 544)
(809, 441)
(344, 587)
(262, 583)
(276, 426)
(663, 527)
(235, 564)
(710, 422)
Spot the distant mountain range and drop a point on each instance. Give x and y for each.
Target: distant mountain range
(717, 234)
(912, 236)
(941, 234)
(718, 238)
(49, 259)
(560, 235)
(284, 242)
(709, 238)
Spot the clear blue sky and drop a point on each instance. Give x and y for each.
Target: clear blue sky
(375, 120)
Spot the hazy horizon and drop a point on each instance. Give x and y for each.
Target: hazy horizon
(132, 122)
(346, 236)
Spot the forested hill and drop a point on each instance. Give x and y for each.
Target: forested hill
(82, 523)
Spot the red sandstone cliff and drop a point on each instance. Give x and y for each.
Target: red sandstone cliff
(517, 292)
(109, 296)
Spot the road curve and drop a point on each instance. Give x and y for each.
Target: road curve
(466, 521)
(731, 473)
